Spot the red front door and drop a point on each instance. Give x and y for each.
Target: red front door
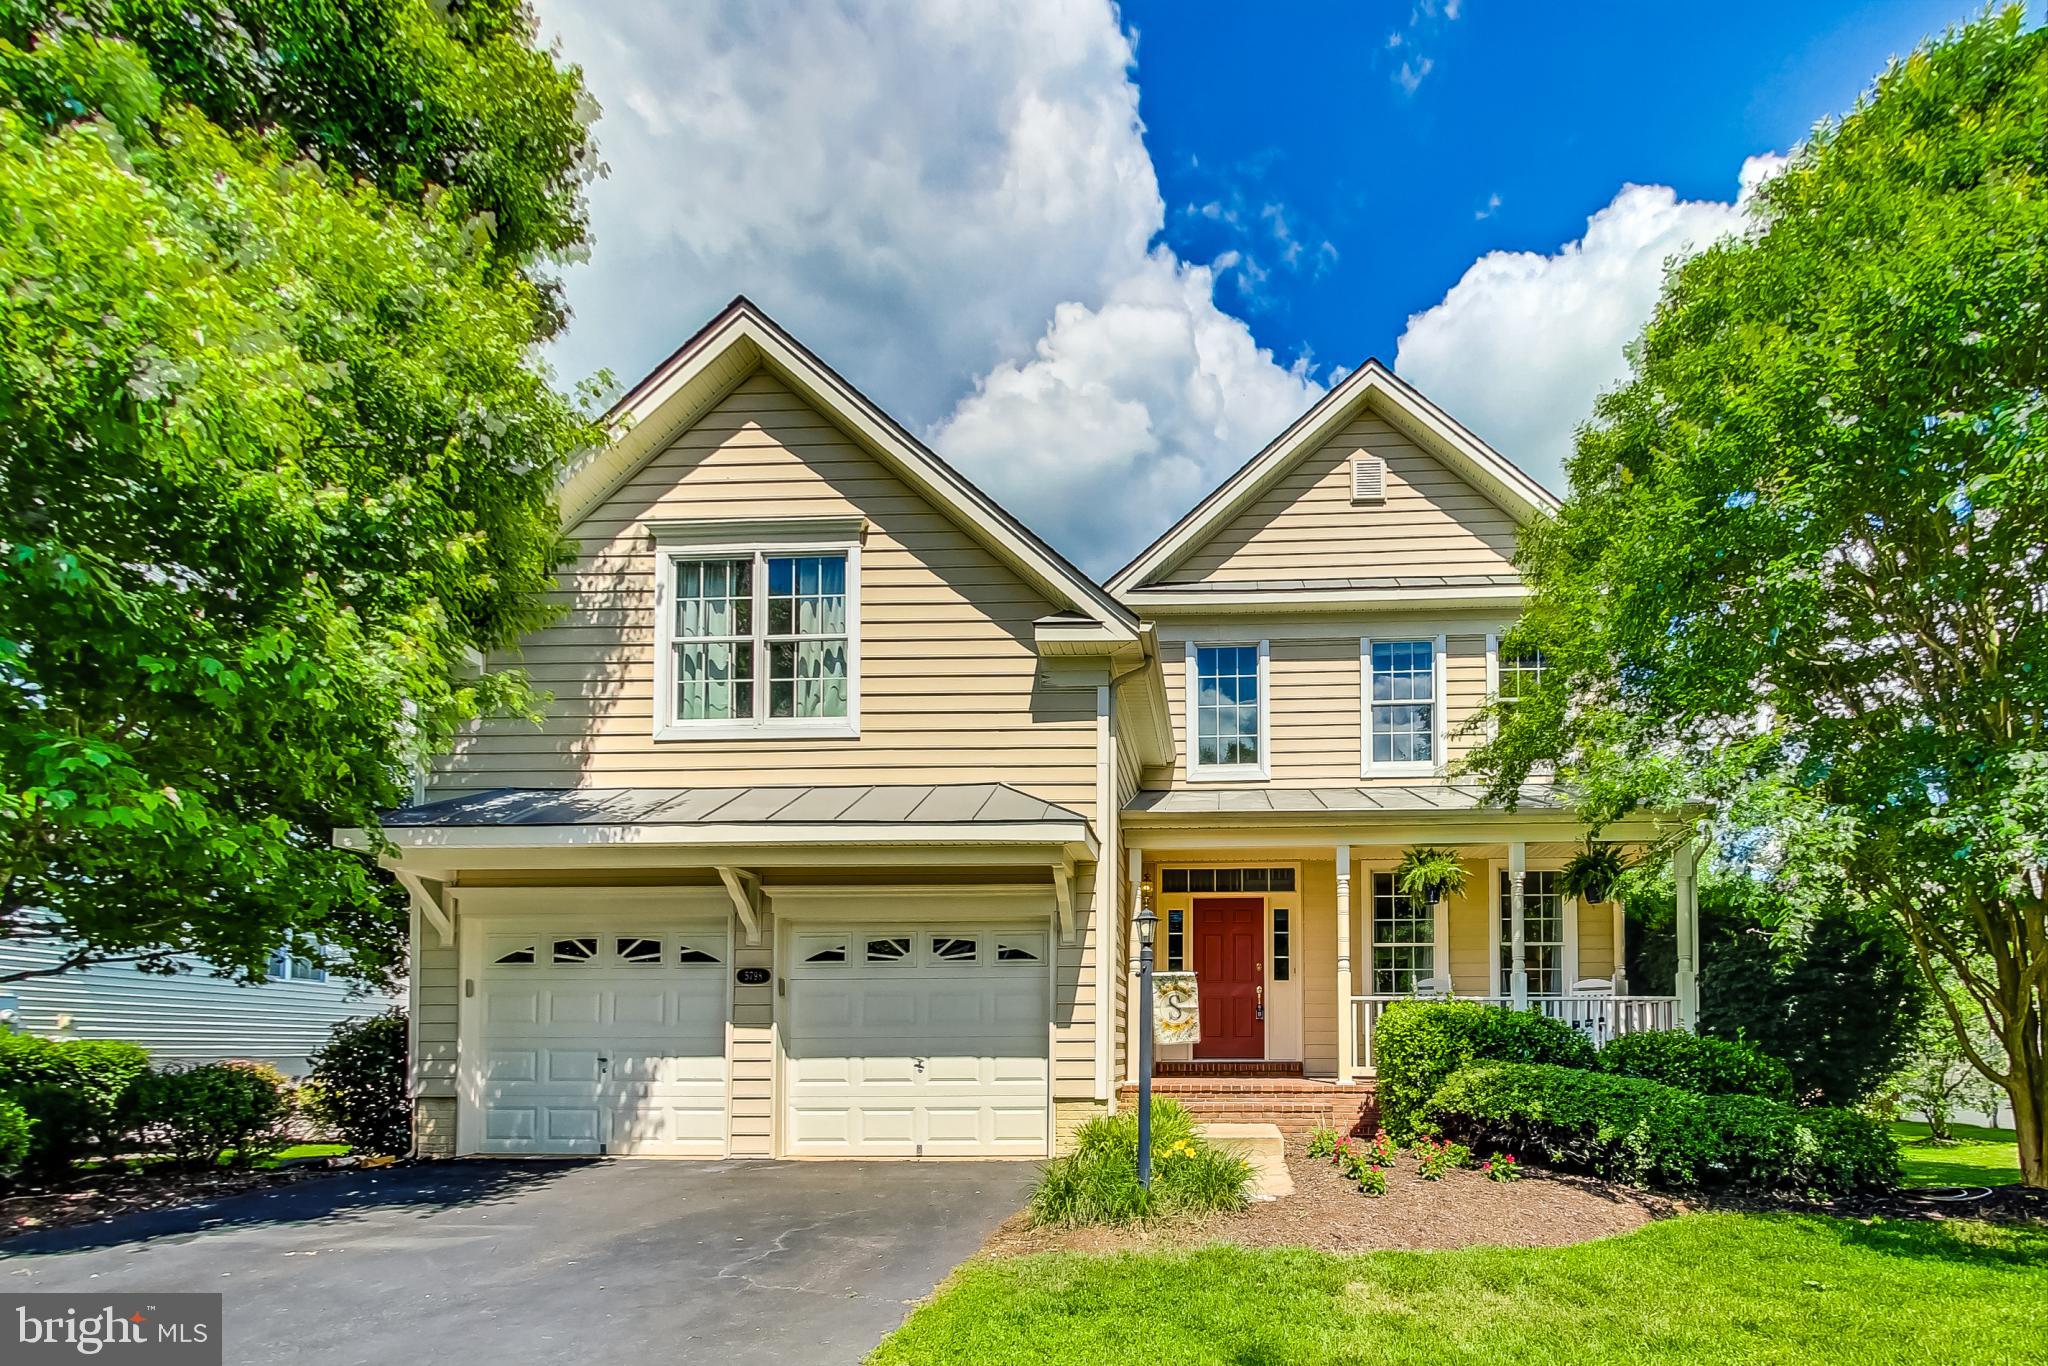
(1230, 976)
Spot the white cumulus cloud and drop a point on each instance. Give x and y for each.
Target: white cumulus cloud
(1126, 413)
(1524, 342)
(939, 198)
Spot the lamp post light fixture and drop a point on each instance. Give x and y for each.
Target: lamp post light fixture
(1146, 922)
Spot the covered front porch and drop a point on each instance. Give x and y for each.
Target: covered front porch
(1298, 939)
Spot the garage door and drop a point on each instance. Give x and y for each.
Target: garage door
(603, 1039)
(917, 1042)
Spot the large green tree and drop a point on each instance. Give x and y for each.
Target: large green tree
(276, 457)
(1803, 570)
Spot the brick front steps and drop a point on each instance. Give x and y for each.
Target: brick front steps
(1295, 1104)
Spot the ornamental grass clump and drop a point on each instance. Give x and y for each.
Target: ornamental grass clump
(1097, 1183)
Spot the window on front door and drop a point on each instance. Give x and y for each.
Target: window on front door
(1403, 940)
(1542, 934)
(758, 640)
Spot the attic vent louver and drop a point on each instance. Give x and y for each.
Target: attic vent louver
(1368, 479)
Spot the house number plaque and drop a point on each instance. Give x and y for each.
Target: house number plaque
(751, 977)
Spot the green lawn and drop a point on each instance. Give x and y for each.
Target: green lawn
(1982, 1157)
(1710, 1287)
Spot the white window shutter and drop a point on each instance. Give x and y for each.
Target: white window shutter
(1368, 479)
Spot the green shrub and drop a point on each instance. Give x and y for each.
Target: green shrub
(15, 1129)
(1646, 1133)
(197, 1113)
(1372, 1181)
(74, 1091)
(357, 1085)
(1693, 1062)
(1417, 1045)
(1097, 1183)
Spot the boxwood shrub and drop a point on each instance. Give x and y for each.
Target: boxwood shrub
(1417, 1045)
(15, 1128)
(197, 1113)
(357, 1085)
(74, 1091)
(1647, 1133)
(1694, 1062)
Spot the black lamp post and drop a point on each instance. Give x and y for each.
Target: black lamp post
(1147, 925)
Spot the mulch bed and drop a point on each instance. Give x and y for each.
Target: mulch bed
(103, 1194)
(1464, 1209)
(1329, 1214)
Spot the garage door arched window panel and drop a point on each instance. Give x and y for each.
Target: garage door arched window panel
(955, 948)
(821, 949)
(892, 948)
(638, 950)
(692, 954)
(509, 952)
(578, 950)
(1020, 948)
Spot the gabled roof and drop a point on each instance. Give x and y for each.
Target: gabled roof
(743, 339)
(1436, 431)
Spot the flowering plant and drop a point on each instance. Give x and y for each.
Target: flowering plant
(1435, 1156)
(1501, 1167)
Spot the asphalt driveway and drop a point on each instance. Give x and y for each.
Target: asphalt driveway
(595, 1263)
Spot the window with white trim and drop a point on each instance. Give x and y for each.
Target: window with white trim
(758, 642)
(1403, 940)
(1227, 711)
(1542, 934)
(1401, 705)
(1520, 675)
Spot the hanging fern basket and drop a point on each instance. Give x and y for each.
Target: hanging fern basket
(1427, 874)
(1593, 872)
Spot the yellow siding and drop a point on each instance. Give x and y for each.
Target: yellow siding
(1596, 939)
(949, 672)
(1314, 709)
(1305, 526)
(1320, 1009)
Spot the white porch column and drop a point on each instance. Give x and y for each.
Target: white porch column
(1518, 944)
(1136, 875)
(1620, 948)
(1685, 866)
(1347, 1014)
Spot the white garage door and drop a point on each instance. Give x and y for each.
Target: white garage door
(603, 1039)
(917, 1041)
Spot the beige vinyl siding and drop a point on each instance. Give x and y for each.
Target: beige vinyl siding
(752, 1064)
(949, 671)
(1314, 715)
(1596, 939)
(1075, 999)
(1304, 525)
(1317, 971)
(436, 992)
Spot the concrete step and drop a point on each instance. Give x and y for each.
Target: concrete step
(1263, 1147)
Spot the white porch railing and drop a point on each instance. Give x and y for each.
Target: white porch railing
(1601, 1019)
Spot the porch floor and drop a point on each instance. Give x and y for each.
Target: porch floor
(1294, 1103)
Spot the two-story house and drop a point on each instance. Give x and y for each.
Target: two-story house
(850, 787)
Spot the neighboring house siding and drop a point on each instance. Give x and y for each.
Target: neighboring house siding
(1304, 524)
(1315, 715)
(187, 1018)
(949, 688)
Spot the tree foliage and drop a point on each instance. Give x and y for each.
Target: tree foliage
(1804, 551)
(276, 460)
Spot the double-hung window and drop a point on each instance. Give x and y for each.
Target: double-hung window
(1542, 934)
(1402, 681)
(757, 641)
(1403, 940)
(1520, 676)
(1227, 732)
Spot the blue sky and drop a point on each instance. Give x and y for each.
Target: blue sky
(1098, 257)
(1546, 108)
